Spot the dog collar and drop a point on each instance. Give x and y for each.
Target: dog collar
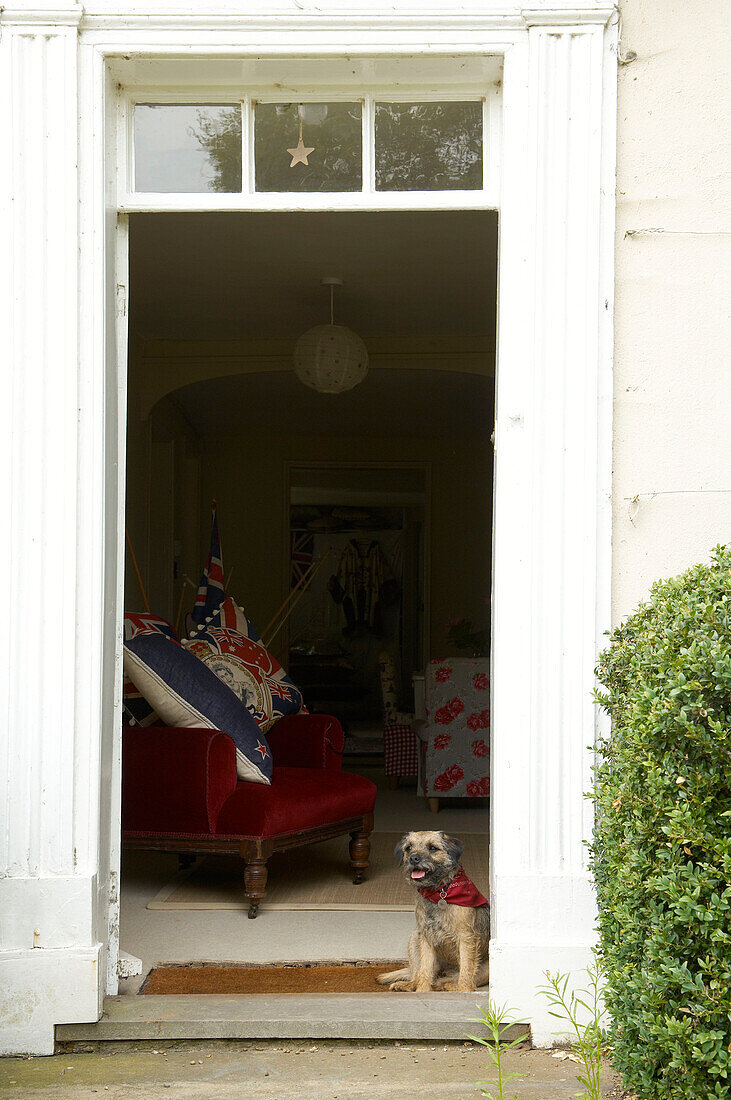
(459, 891)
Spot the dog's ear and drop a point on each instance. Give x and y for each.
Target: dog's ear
(452, 847)
(399, 849)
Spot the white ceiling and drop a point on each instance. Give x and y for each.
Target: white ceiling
(388, 403)
(230, 276)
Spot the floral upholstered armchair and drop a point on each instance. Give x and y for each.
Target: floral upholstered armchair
(400, 746)
(455, 740)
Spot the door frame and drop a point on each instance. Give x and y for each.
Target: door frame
(552, 504)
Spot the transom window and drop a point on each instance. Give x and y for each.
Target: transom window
(253, 146)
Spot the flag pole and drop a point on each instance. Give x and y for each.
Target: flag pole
(187, 582)
(290, 596)
(137, 570)
(294, 598)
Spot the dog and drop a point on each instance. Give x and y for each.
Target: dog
(452, 931)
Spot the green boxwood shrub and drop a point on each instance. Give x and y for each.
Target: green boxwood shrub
(661, 852)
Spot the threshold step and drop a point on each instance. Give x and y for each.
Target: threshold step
(284, 1016)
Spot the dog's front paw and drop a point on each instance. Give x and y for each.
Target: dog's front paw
(458, 987)
(403, 987)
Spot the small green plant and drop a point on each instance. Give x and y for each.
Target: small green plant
(497, 1021)
(571, 1006)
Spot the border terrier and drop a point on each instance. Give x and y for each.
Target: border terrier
(448, 949)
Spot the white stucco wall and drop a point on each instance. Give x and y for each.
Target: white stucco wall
(672, 396)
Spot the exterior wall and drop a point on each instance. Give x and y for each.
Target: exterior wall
(672, 399)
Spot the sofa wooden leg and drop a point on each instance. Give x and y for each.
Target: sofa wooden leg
(392, 782)
(360, 849)
(255, 880)
(434, 805)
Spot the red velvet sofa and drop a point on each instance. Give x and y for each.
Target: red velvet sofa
(180, 793)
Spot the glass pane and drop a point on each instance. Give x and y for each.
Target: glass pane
(327, 137)
(187, 147)
(428, 146)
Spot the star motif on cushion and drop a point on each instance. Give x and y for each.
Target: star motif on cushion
(300, 154)
(262, 749)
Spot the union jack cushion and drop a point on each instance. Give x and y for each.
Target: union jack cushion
(230, 646)
(184, 692)
(137, 711)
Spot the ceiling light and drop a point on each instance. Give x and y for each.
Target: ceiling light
(330, 358)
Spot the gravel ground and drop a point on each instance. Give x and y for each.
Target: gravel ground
(277, 1071)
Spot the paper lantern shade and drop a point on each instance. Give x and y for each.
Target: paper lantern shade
(330, 358)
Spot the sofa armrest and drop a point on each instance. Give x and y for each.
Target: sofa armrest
(307, 741)
(175, 780)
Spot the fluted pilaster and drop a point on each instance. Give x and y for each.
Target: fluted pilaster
(47, 848)
(552, 503)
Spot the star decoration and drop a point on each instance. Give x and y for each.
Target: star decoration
(300, 153)
(262, 749)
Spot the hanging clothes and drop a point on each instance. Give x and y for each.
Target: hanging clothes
(358, 585)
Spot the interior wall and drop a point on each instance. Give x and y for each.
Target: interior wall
(248, 479)
(163, 507)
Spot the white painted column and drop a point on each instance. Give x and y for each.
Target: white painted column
(50, 659)
(552, 579)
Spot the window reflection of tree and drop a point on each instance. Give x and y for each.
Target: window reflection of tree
(334, 166)
(428, 146)
(220, 136)
(419, 146)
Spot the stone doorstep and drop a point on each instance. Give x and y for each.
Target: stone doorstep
(435, 1016)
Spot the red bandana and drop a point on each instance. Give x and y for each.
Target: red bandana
(460, 891)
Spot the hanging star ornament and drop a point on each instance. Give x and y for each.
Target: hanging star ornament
(300, 153)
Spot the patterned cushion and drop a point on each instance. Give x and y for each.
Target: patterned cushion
(186, 693)
(246, 666)
(137, 711)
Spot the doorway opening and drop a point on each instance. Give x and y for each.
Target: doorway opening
(390, 481)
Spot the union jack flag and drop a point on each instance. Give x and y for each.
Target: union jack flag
(303, 546)
(211, 591)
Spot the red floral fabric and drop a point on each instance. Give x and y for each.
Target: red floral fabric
(449, 712)
(456, 762)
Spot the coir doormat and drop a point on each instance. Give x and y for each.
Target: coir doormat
(316, 877)
(307, 978)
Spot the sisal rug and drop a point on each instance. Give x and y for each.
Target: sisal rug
(232, 980)
(316, 877)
